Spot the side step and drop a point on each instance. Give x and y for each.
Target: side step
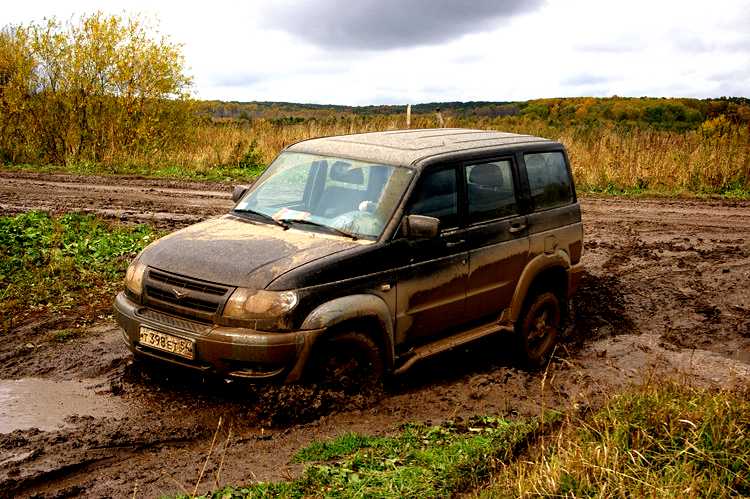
(450, 342)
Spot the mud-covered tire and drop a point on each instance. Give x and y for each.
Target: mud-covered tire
(348, 361)
(538, 329)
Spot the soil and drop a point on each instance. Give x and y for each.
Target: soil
(666, 294)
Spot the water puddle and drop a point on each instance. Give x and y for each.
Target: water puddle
(44, 404)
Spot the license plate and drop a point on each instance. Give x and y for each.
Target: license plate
(167, 343)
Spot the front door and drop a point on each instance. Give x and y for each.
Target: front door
(431, 289)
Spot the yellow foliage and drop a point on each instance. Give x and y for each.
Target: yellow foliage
(92, 90)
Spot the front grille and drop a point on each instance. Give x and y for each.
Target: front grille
(156, 317)
(184, 296)
(186, 282)
(188, 301)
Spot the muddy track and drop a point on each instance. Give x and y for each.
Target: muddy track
(666, 295)
(168, 203)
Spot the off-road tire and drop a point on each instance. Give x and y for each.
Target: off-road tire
(350, 361)
(538, 329)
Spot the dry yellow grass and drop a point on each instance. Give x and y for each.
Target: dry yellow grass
(603, 157)
(665, 440)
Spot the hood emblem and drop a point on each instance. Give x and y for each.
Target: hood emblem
(179, 294)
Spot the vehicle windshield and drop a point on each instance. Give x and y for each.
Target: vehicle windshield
(344, 195)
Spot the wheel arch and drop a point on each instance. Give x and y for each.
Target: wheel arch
(545, 271)
(366, 311)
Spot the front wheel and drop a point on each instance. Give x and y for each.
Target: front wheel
(538, 329)
(349, 361)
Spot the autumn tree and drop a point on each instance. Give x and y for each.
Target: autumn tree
(93, 90)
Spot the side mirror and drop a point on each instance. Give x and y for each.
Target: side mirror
(420, 227)
(239, 191)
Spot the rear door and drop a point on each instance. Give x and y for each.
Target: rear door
(554, 222)
(431, 289)
(497, 234)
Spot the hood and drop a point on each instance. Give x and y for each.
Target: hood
(232, 251)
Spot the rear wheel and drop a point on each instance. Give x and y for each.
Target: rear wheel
(349, 361)
(538, 329)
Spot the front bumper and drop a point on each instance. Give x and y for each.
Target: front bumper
(232, 352)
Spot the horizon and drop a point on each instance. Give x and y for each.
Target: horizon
(499, 102)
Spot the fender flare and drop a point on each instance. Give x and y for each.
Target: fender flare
(536, 266)
(360, 306)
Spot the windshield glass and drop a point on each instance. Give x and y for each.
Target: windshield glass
(345, 195)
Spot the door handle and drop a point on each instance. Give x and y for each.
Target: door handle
(517, 228)
(453, 244)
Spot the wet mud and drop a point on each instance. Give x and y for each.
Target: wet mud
(666, 293)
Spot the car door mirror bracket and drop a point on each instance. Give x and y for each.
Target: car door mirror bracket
(239, 191)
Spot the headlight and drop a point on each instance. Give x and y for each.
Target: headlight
(252, 304)
(134, 278)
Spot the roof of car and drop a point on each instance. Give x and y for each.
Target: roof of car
(409, 147)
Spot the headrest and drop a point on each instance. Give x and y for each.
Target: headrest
(341, 171)
(486, 174)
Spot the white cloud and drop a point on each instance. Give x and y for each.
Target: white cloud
(236, 50)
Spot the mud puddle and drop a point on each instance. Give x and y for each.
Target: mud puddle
(48, 405)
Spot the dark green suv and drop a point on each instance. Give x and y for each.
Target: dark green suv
(363, 254)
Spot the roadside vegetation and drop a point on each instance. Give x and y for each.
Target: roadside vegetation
(421, 461)
(109, 95)
(665, 440)
(55, 266)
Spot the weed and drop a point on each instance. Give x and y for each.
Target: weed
(55, 264)
(64, 335)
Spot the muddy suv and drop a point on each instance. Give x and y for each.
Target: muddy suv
(359, 255)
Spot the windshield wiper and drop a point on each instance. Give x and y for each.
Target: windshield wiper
(280, 223)
(317, 224)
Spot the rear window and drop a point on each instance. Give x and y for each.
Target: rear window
(549, 180)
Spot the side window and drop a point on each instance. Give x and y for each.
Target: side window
(548, 180)
(490, 190)
(436, 196)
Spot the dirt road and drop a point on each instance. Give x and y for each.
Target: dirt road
(667, 294)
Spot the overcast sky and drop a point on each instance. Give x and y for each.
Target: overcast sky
(398, 51)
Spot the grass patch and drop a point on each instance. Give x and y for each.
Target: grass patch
(668, 440)
(421, 461)
(65, 335)
(53, 264)
(732, 192)
(210, 174)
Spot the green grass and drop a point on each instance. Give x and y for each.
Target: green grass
(65, 335)
(421, 461)
(665, 440)
(54, 264)
(669, 440)
(212, 174)
(733, 191)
